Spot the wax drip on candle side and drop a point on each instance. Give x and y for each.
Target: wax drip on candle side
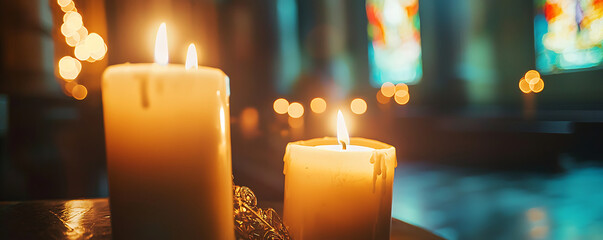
(161, 58)
(385, 201)
(144, 85)
(379, 167)
(286, 159)
(144, 93)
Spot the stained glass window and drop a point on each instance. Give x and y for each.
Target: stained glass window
(395, 41)
(568, 35)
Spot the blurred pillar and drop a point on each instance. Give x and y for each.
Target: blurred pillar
(26, 67)
(249, 47)
(334, 44)
(442, 28)
(289, 63)
(26, 48)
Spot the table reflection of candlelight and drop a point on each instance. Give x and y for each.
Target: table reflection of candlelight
(168, 149)
(337, 193)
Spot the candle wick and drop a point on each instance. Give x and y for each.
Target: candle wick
(343, 145)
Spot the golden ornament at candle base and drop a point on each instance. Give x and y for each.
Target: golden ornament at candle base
(331, 193)
(254, 223)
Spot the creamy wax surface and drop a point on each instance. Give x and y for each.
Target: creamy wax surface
(168, 152)
(332, 193)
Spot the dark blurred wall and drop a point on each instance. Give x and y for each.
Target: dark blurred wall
(27, 48)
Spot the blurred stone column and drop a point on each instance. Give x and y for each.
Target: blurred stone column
(26, 67)
(26, 48)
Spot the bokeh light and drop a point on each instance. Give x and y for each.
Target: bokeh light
(318, 105)
(69, 68)
(63, 3)
(538, 86)
(70, 7)
(382, 99)
(295, 110)
(79, 92)
(281, 106)
(87, 47)
(358, 106)
(81, 51)
(91, 48)
(249, 122)
(82, 32)
(388, 89)
(402, 97)
(539, 232)
(73, 40)
(99, 53)
(66, 31)
(284, 132)
(401, 87)
(68, 87)
(524, 86)
(532, 76)
(535, 214)
(95, 44)
(73, 21)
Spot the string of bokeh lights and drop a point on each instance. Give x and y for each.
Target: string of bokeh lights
(88, 47)
(530, 82)
(358, 106)
(317, 105)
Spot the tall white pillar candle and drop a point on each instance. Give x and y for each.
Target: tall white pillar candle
(168, 150)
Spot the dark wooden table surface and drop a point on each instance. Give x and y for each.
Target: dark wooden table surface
(91, 219)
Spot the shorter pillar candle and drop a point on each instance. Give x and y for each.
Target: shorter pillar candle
(331, 193)
(338, 194)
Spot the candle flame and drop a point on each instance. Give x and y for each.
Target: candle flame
(161, 46)
(342, 131)
(191, 57)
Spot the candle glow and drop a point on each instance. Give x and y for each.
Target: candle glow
(191, 57)
(161, 46)
(342, 131)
